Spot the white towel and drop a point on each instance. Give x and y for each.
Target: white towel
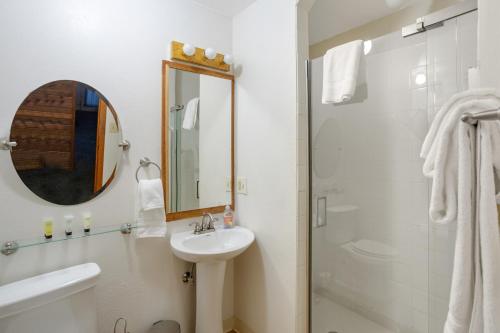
(436, 147)
(150, 192)
(448, 149)
(340, 72)
(191, 114)
(151, 221)
(486, 311)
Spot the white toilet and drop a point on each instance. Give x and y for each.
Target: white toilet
(372, 269)
(341, 223)
(56, 302)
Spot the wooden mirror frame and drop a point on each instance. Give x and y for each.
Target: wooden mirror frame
(172, 216)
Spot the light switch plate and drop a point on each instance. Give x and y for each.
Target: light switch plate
(241, 185)
(228, 184)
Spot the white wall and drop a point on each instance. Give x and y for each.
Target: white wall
(265, 276)
(116, 47)
(215, 140)
(489, 49)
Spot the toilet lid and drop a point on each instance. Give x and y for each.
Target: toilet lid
(373, 249)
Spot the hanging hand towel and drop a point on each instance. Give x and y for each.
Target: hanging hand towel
(150, 194)
(340, 72)
(191, 114)
(151, 220)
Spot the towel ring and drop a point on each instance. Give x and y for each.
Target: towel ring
(143, 163)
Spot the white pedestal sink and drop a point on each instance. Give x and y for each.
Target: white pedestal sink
(210, 252)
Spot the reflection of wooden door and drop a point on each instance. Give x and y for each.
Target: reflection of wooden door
(99, 149)
(44, 128)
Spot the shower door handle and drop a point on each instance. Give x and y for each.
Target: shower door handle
(321, 217)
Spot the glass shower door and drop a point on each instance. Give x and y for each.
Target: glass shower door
(377, 262)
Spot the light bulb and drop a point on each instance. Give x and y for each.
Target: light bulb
(210, 53)
(188, 50)
(228, 59)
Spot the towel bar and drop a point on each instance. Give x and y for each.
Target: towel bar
(473, 118)
(143, 163)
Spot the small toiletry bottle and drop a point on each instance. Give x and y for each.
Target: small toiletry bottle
(228, 217)
(68, 219)
(87, 221)
(48, 225)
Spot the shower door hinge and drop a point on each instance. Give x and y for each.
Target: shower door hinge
(420, 25)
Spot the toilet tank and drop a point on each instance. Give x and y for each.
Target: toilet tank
(60, 301)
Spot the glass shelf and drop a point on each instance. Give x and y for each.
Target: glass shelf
(11, 247)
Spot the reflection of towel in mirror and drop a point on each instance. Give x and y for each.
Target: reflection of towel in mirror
(191, 114)
(151, 220)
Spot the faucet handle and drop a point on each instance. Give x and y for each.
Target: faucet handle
(211, 224)
(197, 227)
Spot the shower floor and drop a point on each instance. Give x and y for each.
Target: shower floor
(332, 317)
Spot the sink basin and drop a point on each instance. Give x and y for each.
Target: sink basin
(221, 245)
(210, 252)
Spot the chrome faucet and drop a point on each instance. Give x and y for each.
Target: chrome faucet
(205, 227)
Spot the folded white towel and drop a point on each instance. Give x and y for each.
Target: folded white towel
(151, 221)
(191, 114)
(150, 194)
(340, 72)
(449, 160)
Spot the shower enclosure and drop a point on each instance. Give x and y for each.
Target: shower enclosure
(378, 264)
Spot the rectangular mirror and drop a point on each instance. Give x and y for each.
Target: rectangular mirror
(197, 140)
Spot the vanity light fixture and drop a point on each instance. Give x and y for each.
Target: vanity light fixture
(210, 53)
(189, 50)
(202, 57)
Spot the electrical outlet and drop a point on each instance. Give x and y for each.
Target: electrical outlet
(241, 185)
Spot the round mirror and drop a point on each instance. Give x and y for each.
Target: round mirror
(68, 142)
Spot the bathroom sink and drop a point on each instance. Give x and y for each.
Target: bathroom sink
(210, 251)
(220, 245)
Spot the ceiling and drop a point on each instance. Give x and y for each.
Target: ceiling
(226, 7)
(329, 18)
